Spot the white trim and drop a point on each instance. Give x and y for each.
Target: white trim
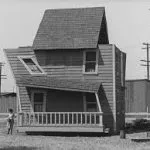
(34, 60)
(84, 61)
(44, 98)
(114, 85)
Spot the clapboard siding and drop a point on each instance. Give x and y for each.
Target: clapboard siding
(68, 64)
(74, 70)
(137, 92)
(16, 66)
(24, 99)
(120, 88)
(18, 69)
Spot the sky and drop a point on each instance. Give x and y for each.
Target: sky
(128, 23)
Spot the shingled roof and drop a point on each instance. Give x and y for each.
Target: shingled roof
(70, 28)
(59, 84)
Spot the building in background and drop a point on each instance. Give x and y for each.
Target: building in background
(8, 100)
(137, 98)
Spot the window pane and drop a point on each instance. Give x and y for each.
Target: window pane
(90, 56)
(38, 97)
(32, 66)
(90, 67)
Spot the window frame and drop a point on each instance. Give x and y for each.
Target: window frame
(44, 99)
(34, 61)
(86, 103)
(96, 61)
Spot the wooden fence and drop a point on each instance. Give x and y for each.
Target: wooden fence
(7, 101)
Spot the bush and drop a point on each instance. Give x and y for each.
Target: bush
(138, 124)
(141, 124)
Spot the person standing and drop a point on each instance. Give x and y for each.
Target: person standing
(10, 121)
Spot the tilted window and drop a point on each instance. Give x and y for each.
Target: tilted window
(90, 62)
(31, 65)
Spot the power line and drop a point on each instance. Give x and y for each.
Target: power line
(147, 60)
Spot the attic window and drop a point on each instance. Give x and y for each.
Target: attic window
(90, 62)
(31, 65)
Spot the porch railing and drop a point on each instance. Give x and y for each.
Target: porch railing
(60, 119)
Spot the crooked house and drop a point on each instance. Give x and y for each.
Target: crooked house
(71, 79)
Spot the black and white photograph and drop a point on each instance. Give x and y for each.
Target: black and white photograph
(74, 75)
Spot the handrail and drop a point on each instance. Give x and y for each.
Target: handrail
(61, 118)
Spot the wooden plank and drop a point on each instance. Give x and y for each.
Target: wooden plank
(93, 129)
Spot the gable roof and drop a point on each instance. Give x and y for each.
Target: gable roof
(70, 28)
(60, 84)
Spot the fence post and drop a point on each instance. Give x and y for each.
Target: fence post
(20, 119)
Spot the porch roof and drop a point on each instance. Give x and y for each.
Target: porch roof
(60, 84)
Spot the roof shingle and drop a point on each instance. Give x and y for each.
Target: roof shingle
(69, 29)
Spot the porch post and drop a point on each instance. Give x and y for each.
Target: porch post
(100, 110)
(18, 107)
(98, 103)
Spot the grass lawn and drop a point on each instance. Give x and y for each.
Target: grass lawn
(19, 141)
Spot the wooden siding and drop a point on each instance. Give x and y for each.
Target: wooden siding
(8, 101)
(18, 70)
(120, 88)
(70, 67)
(137, 95)
(0, 75)
(148, 95)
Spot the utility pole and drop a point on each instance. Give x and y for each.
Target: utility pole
(147, 60)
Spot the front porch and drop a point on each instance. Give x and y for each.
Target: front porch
(60, 122)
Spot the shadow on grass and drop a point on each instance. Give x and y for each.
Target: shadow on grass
(140, 140)
(19, 148)
(68, 134)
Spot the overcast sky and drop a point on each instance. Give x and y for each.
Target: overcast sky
(128, 24)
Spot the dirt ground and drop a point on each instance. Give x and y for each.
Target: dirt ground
(18, 141)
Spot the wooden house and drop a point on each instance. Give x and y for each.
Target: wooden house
(71, 79)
